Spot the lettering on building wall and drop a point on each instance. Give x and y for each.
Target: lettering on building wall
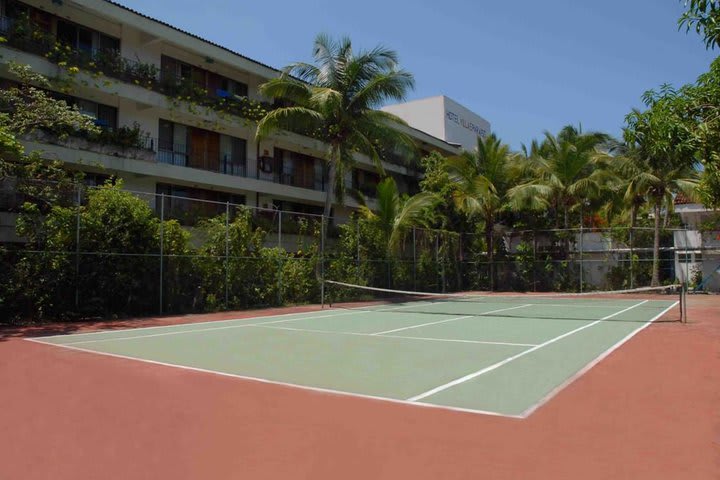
(458, 120)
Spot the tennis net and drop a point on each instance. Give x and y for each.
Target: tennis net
(666, 303)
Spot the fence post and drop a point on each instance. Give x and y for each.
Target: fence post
(77, 246)
(162, 248)
(443, 259)
(534, 261)
(227, 255)
(686, 280)
(358, 249)
(280, 261)
(582, 248)
(322, 261)
(414, 252)
(632, 258)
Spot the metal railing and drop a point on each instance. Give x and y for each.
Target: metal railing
(183, 155)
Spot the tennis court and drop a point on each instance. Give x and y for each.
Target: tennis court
(500, 355)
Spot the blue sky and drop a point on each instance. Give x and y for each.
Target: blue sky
(525, 66)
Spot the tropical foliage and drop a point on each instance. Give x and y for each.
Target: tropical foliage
(336, 100)
(453, 230)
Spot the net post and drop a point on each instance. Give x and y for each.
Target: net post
(162, 249)
(683, 302)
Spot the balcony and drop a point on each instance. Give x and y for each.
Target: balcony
(28, 37)
(125, 142)
(183, 155)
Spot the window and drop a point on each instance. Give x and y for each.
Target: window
(105, 116)
(698, 257)
(298, 170)
(233, 87)
(366, 182)
(85, 39)
(172, 143)
(233, 153)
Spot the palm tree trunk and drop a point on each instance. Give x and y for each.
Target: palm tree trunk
(656, 247)
(329, 189)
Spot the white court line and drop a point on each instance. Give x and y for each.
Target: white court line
(215, 322)
(200, 330)
(590, 365)
(499, 364)
(429, 339)
(283, 384)
(450, 320)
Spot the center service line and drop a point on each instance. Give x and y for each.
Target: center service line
(499, 364)
(450, 320)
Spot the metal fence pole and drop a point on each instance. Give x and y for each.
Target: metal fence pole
(582, 248)
(77, 246)
(322, 261)
(414, 252)
(227, 255)
(686, 280)
(280, 261)
(443, 265)
(632, 258)
(437, 257)
(357, 239)
(162, 248)
(534, 261)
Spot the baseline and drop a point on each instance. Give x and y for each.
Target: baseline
(279, 383)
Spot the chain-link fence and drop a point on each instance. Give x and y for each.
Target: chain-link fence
(70, 251)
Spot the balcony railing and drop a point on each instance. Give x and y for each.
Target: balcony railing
(183, 155)
(311, 182)
(26, 36)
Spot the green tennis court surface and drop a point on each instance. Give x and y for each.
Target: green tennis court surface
(498, 356)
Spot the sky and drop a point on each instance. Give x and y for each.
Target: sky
(525, 66)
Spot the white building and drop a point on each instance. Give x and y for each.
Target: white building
(443, 118)
(139, 71)
(697, 249)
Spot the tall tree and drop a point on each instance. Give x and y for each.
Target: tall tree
(702, 16)
(660, 162)
(336, 100)
(481, 181)
(563, 171)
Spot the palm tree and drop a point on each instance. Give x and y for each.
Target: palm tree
(396, 214)
(563, 172)
(656, 183)
(481, 182)
(335, 100)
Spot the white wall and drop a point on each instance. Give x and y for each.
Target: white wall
(463, 126)
(443, 118)
(425, 115)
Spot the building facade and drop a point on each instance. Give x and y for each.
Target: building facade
(445, 119)
(178, 112)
